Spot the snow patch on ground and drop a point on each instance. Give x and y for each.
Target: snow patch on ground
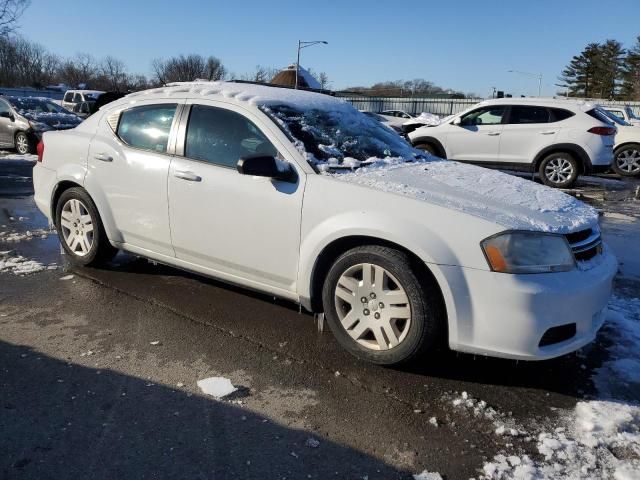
(19, 265)
(599, 438)
(18, 157)
(425, 475)
(20, 236)
(217, 387)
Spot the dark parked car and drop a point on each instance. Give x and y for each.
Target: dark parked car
(24, 119)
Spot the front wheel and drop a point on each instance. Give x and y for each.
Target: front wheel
(559, 170)
(627, 160)
(23, 144)
(80, 229)
(379, 307)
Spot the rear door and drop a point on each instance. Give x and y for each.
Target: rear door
(527, 130)
(129, 160)
(477, 137)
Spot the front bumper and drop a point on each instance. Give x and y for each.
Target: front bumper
(507, 316)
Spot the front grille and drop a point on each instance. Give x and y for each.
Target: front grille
(558, 334)
(585, 244)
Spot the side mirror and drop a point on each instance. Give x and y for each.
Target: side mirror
(457, 121)
(8, 115)
(264, 166)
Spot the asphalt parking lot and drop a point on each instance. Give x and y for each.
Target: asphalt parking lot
(99, 367)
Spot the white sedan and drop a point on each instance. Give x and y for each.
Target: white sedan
(626, 150)
(299, 195)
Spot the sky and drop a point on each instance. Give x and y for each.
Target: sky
(465, 45)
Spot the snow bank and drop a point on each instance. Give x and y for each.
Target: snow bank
(17, 157)
(496, 196)
(217, 387)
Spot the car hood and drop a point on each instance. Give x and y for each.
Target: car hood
(58, 121)
(510, 201)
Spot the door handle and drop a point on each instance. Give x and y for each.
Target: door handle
(493, 134)
(103, 157)
(547, 132)
(189, 176)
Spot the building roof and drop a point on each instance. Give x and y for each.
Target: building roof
(287, 78)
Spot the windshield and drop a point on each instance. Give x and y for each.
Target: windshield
(37, 105)
(613, 117)
(343, 137)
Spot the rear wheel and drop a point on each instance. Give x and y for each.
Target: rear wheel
(80, 229)
(23, 144)
(559, 170)
(379, 308)
(627, 160)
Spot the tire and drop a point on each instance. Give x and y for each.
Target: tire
(427, 147)
(626, 160)
(88, 243)
(358, 324)
(23, 144)
(559, 170)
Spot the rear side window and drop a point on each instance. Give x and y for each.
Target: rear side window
(528, 114)
(559, 114)
(147, 127)
(223, 137)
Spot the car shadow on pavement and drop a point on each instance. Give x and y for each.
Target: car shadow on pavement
(66, 421)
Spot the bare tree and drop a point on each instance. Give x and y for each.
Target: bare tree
(10, 13)
(114, 75)
(323, 79)
(188, 68)
(260, 74)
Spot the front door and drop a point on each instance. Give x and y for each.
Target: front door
(477, 137)
(243, 227)
(7, 128)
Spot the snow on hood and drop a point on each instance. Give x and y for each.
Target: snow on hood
(513, 202)
(425, 118)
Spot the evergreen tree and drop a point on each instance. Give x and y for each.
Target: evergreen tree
(579, 75)
(631, 73)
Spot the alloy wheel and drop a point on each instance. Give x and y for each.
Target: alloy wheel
(22, 144)
(558, 170)
(372, 307)
(77, 227)
(629, 161)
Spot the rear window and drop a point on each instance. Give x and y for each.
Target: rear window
(147, 127)
(559, 114)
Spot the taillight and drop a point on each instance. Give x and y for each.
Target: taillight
(605, 131)
(40, 150)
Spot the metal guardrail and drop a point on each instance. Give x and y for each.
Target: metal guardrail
(441, 106)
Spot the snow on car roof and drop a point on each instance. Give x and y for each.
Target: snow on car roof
(259, 95)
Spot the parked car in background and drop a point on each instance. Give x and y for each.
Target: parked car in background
(393, 123)
(397, 114)
(260, 186)
(84, 109)
(626, 151)
(73, 97)
(23, 120)
(559, 139)
(624, 113)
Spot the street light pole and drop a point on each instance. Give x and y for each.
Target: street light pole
(534, 75)
(302, 45)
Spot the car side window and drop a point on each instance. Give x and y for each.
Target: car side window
(77, 97)
(528, 114)
(147, 127)
(68, 97)
(4, 107)
(223, 137)
(559, 114)
(484, 116)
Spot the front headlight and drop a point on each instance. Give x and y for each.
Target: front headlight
(39, 126)
(528, 252)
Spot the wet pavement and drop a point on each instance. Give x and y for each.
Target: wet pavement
(130, 409)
